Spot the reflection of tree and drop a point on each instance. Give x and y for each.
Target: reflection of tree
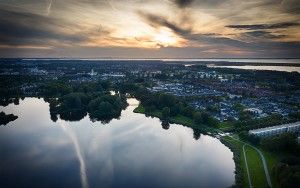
(75, 106)
(5, 119)
(73, 115)
(7, 101)
(165, 124)
(53, 117)
(16, 101)
(103, 121)
(197, 134)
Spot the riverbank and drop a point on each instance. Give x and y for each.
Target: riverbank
(240, 167)
(233, 145)
(249, 170)
(180, 119)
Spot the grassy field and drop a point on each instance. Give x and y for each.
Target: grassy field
(139, 109)
(256, 169)
(225, 126)
(257, 174)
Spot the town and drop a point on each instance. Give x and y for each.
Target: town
(255, 113)
(226, 94)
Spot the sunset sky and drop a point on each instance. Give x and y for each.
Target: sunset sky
(150, 28)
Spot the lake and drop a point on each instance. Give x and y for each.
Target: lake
(132, 151)
(257, 67)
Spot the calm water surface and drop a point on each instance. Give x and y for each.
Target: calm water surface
(134, 151)
(252, 67)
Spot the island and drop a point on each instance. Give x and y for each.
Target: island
(6, 118)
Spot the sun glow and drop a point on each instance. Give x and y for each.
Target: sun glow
(166, 38)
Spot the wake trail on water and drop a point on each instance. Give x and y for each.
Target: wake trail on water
(69, 132)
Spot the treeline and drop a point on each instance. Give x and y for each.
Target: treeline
(73, 102)
(256, 123)
(248, 122)
(287, 172)
(286, 142)
(169, 105)
(60, 88)
(75, 106)
(7, 101)
(10, 85)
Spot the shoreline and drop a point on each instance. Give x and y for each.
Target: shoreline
(208, 131)
(182, 120)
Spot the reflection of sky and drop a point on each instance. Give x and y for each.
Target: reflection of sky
(73, 138)
(134, 151)
(273, 68)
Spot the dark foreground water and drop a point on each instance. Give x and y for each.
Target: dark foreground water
(134, 151)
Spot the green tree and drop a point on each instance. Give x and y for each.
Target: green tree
(188, 111)
(283, 142)
(166, 100)
(166, 112)
(198, 118)
(205, 117)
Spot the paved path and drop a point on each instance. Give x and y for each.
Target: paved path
(248, 174)
(262, 158)
(265, 166)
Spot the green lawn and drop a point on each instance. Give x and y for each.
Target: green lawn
(239, 146)
(139, 109)
(256, 169)
(179, 119)
(225, 126)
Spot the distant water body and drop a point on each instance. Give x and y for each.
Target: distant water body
(244, 63)
(287, 61)
(272, 68)
(215, 60)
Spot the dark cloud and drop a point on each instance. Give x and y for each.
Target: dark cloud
(24, 22)
(290, 6)
(199, 3)
(220, 42)
(208, 38)
(159, 21)
(264, 26)
(263, 34)
(183, 3)
(22, 28)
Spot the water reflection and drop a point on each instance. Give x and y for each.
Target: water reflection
(253, 67)
(197, 134)
(73, 138)
(133, 151)
(165, 124)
